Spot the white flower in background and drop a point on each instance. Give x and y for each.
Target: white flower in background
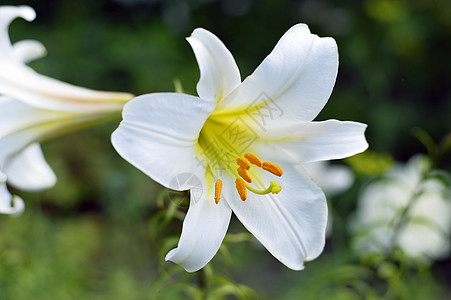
(220, 136)
(34, 107)
(405, 210)
(332, 179)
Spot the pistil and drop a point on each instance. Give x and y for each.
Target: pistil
(273, 188)
(242, 175)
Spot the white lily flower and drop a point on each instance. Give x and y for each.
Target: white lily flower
(34, 107)
(406, 211)
(174, 138)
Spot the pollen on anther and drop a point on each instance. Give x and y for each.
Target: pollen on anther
(243, 162)
(218, 190)
(253, 159)
(241, 188)
(272, 168)
(244, 174)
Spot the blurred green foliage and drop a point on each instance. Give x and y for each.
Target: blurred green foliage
(99, 233)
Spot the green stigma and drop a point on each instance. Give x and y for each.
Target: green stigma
(273, 188)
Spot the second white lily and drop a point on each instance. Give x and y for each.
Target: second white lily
(34, 107)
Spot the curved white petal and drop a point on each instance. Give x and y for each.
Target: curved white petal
(13, 144)
(204, 228)
(219, 74)
(7, 15)
(29, 50)
(29, 170)
(21, 125)
(158, 135)
(9, 204)
(20, 128)
(16, 116)
(22, 83)
(313, 141)
(294, 81)
(291, 224)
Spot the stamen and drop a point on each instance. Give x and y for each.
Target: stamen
(241, 188)
(253, 159)
(244, 174)
(272, 168)
(218, 190)
(243, 162)
(273, 188)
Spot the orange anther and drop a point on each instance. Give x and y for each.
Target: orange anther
(218, 189)
(243, 162)
(253, 159)
(241, 188)
(244, 174)
(272, 168)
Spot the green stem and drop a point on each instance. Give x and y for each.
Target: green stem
(425, 139)
(202, 283)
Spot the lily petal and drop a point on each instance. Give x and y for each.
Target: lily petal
(9, 204)
(298, 76)
(7, 15)
(314, 141)
(22, 125)
(25, 85)
(20, 82)
(29, 170)
(158, 135)
(29, 50)
(291, 224)
(219, 74)
(16, 116)
(41, 124)
(204, 228)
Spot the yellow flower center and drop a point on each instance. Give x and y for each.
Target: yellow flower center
(240, 183)
(222, 142)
